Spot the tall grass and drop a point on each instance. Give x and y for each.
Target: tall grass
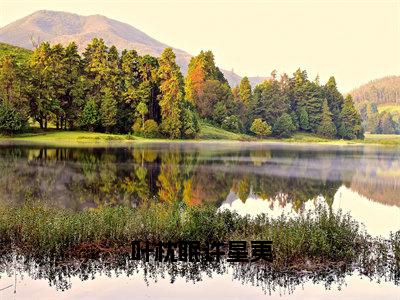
(321, 237)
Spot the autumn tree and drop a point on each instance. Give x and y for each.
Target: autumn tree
(245, 91)
(172, 94)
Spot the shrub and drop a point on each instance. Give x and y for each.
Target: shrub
(150, 128)
(260, 128)
(137, 126)
(232, 123)
(11, 120)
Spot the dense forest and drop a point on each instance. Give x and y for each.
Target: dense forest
(379, 104)
(385, 90)
(110, 91)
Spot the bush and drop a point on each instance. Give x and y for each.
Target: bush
(137, 126)
(150, 128)
(284, 126)
(11, 120)
(232, 123)
(260, 128)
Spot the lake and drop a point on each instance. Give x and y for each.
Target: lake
(248, 178)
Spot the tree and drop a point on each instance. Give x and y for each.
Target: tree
(303, 119)
(386, 124)
(335, 100)
(245, 91)
(12, 87)
(283, 127)
(90, 115)
(73, 100)
(41, 100)
(327, 128)
(350, 121)
(205, 85)
(172, 93)
(96, 68)
(269, 101)
(142, 110)
(108, 110)
(190, 122)
(219, 113)
(260, 128)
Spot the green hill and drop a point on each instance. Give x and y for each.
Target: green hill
(20, 54)
(383, 91)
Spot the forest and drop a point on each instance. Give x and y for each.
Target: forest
(105, 90)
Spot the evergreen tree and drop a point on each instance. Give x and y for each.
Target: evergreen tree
(108, 110)
(304, 123)
(96, 67)
(269, 101)
(90, 114)
(335, 100)
(73, 100)
(327, 128)
(283, 127)
(350, 121)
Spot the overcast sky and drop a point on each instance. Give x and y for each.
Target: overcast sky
(354, 40)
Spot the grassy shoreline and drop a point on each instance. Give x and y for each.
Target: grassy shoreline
(208, 134)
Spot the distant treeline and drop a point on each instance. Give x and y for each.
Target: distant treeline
(384, 122)
(380, 91)
(103, 90)
(379, 104)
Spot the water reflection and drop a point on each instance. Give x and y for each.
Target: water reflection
(251, 178)
(61, 275)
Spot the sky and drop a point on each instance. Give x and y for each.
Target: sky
(354, 40)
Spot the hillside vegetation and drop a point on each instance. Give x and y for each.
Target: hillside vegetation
(106, 91)
(19, 54)
(385, 90)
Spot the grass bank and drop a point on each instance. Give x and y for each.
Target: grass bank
(322, 238)
(207, 133)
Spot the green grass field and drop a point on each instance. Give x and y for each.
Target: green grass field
(207, 133)
(392, 108)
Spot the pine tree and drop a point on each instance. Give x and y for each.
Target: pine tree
(327, 128)
(303, 119)
(283, 126)
(335, 100)
(90, 115)
(350, 121)
(172, 93)
(108, 110)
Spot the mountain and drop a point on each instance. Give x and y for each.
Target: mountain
(382, 91)
(63, 27)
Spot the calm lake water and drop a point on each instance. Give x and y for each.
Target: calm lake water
(245, 177)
